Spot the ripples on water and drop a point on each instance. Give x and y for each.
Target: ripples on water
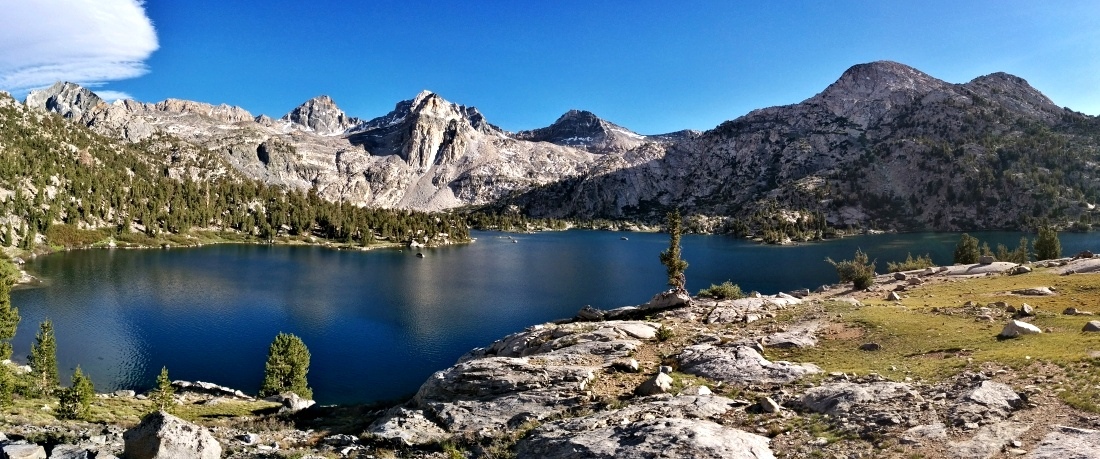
(378, 323)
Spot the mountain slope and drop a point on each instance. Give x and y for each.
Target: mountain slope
(885, 146)
(64, 185)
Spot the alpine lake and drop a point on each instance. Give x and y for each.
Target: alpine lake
(379, 322)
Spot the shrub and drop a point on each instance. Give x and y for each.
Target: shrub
(967, 252)
(725, 291)
(664, 333)
(859, 270)
(910, 263)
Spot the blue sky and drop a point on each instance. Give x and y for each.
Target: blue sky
(651, 66)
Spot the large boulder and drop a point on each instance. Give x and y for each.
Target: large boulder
(291, 402)
(26, 451)
(163, 436)
(666, 300)
(1018, 328)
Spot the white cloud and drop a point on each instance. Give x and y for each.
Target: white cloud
(111, 96)
(89, 42)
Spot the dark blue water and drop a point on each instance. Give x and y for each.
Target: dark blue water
(378, 323)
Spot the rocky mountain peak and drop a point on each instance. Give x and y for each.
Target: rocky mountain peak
(867, 92)
(321, 115)
(583, 129)
(1015, 94)
(70, 100)
(423, 131)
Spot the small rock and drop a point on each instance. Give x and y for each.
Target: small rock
(123, 393)
(291, 402)
(767, 405)
(249, 438)
(659, 384)
(1026, 310)
(893, 296)
(696, 390)
(985, 260)
(870, 347)
(1092, 326)
(340, 440)
(590, 313)
(800, 293)
(1017, 328)
(1071, 311)
(915, 281)
(626, 365)
(900, 276)
(1034, 291)
(665, 369)
(71, 452)
(1083, 254)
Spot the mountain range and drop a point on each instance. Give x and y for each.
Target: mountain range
(885, 146)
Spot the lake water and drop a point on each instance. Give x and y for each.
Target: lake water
(378, 323)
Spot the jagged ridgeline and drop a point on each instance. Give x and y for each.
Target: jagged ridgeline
(62, 184)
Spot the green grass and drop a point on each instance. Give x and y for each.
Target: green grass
(922, 344)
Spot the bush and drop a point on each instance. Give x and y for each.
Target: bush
(725, 291)
(664, 333)
(967, 252)
(286, 368)
(859, 270)
(910, 263)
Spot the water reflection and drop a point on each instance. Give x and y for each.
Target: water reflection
(378, 323)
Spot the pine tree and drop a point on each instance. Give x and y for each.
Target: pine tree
(286, 368)
(9, 317)
(75, 402)
(162, 395)
(43, 358)
(674, 265)
(7, 385)
(967, 252)
(1047, 245)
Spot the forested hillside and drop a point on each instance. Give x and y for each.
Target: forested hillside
(63, 185)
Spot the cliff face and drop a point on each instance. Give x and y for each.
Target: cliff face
(885, 146)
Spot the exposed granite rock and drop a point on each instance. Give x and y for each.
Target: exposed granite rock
(987, 441)
(321, 115)
(1068, 443)
(739, 364)
(163, 436)
(661, 437)
(664, 427)
(986, 401)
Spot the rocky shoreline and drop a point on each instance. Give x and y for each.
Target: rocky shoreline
(697, 377)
